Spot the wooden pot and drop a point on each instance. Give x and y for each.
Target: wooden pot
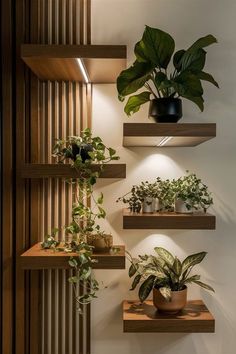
(101, 243)
(177, 303)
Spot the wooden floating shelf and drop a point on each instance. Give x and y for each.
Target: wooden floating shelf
(195, 318)
(176, 134)
(171, 220)
(38, 258)
(66, 171)
(102, 63)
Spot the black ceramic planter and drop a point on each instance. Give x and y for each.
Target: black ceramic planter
(166, 110)
(82, 150)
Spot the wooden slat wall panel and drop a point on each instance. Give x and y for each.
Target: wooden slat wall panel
(63, 111)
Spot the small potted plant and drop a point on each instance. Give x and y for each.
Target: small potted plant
(142, 197)
(83, 235)
(191, 194)
(163, 88)
(167, 277)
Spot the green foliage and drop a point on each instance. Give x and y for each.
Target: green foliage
(189, 188)
(164, 272)
(192, 191)
(82, 153)
(153, 54)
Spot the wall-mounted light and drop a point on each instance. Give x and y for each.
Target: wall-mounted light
(83, 70)
(165, 140)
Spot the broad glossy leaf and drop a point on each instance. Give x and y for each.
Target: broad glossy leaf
(187, 84)
(166, 292)
(136, 281)
(203, 42)
(191, 279)
(134, 102)
(203, 285)
(193, 61)
(132, 270)
(199, 101)
(165, 255)
(192, 260)
(177, 267)
(146, 288)
(177, 59)
(133, 78)
(156, 45)
(207, 77)
(195, 53)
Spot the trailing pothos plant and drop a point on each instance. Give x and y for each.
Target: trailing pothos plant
(150, 71)
(82, 153)
(164, 272)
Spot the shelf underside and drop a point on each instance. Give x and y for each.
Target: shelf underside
(38, 258)
(66, 171)
(195, 221)
(195, 318)
(178, 134)
(102, 63)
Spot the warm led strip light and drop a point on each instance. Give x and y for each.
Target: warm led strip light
(165, 140)
(83, 70)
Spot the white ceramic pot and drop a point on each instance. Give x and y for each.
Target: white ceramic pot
(148, 205)
(180, 207)
(157, 204)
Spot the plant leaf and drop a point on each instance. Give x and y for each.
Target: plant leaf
(156, 46)
(192, 260)
(132, 270)
(195, 53)
(207, 77)
(191, 279)
(134, 102)
(136, 281)
(165, 255)
(133, 78)
(188, 84)
(177, 59)
(177, 267)
(203, 285)
(146, 288)
(199, 101)
(159, 78)
(165, 292)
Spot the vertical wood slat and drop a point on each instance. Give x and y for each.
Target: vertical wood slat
(6, 258)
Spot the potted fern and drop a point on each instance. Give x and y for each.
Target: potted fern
(167, 277)
(163, 88)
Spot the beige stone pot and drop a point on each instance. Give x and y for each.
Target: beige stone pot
(177, 303)
(100, 243)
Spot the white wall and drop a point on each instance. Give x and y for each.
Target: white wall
(122, 22)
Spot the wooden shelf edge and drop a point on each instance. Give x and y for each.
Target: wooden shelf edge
(181, 134)
(144, 318)
(195, 221)
(36, 258)
(66, 171)
(69, 62)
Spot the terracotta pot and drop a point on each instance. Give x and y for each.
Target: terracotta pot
(148, 205)
(180, 207)
(100, 243)
(166, 110)
(177, 303)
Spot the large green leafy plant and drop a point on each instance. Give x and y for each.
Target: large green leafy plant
(150, 71)
(164, 272)
(82, 152)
